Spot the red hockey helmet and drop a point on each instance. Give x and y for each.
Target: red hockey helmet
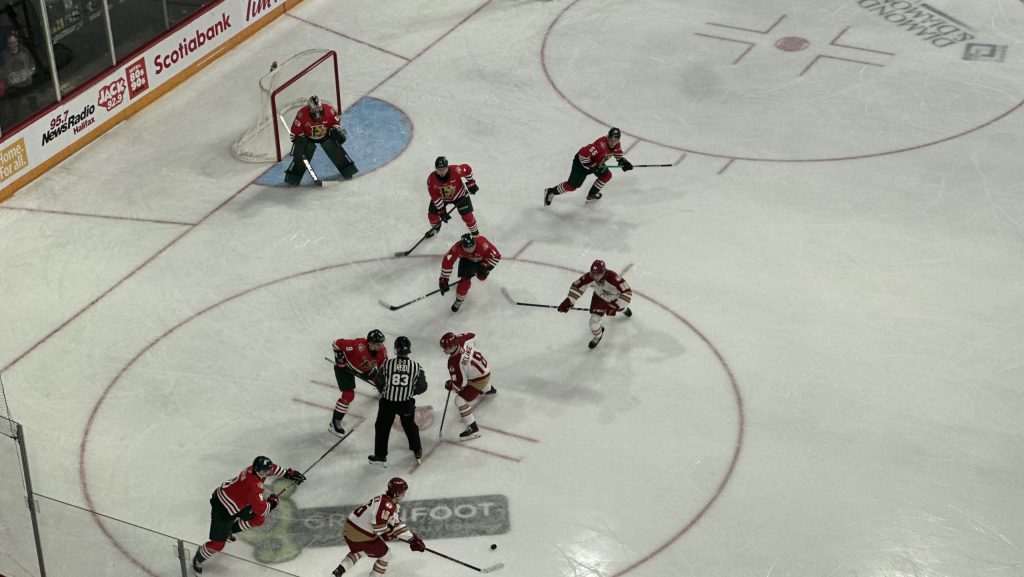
(449, 343)
(397, 488)
(597, 268)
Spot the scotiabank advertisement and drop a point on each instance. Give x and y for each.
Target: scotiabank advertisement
(99, 104)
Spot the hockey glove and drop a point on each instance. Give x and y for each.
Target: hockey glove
(293, 475)
(442, 283)
(417, 544)
(340, 135)
(612, 309)
(626, 165)
(371, 374)
(473, 188)
(291, 137)
(246, 514)
(445, 217)
(450, 385)
(484, 271)
(272, 501)
(565, 305)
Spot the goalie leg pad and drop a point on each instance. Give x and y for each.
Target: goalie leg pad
(342, 161)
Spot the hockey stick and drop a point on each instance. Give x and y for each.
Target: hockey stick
(445, 413)
(490, 569)
(426, 235)
(635, 165)
(417, 299)
(315, 463)
(505, 292)
(418, 408)
(309, 168)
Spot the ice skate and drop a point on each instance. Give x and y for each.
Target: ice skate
(456, 305)
(336, 428)
(491, 391)
(338, 571)
(471, 432)
(418, 455)
(197, 565)
(593, 197)
(381, 462)
(596, 340)
(628, 312)
(549, 195)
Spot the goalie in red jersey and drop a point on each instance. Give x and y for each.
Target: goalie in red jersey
(589, 160)
(611, 295)
(318, 123)
(238, 505)
(370, 525)
(355, 358)
(477, 257)
(445, 186)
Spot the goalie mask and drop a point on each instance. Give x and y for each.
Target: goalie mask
(316, 110)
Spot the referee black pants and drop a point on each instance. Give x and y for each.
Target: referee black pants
(386, 411)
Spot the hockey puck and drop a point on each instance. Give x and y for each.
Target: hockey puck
(494, 546)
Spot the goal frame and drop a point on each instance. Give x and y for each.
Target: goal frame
(276, 111)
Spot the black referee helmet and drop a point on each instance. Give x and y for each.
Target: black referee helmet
(403, 346)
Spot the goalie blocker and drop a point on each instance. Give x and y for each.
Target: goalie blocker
(318, 123)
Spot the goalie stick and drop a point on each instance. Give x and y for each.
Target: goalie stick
(505, 292)
(309, 168)
(425, 236)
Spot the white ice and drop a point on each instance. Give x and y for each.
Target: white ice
(823, 376)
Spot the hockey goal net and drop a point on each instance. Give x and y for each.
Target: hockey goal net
(284, 90)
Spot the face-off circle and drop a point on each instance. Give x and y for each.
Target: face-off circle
(792, 81)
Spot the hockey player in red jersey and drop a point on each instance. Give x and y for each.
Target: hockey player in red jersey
(445, 186)
(318, 123)
(370, 525)
(611, 295)
(477, 257)
(355, 358)
(590, 160)
(238, 505)
(469, 377)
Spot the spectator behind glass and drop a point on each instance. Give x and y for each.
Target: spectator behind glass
(16, 70)
(18, 65)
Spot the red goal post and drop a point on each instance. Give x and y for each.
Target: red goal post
(283, 91)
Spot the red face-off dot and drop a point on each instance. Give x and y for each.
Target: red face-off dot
(792, 44)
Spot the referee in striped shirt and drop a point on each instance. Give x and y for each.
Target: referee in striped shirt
(398, 379)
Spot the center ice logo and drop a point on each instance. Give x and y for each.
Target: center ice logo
(290, 529)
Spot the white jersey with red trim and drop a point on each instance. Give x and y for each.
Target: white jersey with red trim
(377, 517)
(467, 364)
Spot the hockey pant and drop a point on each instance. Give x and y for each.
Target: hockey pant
(223, 525)
(467, 270)
(579, 173)
(465, 207)
(470, 393)
(303, 147)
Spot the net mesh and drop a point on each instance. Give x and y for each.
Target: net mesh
(285, 89)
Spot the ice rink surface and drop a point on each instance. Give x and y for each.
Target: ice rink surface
(823, 375)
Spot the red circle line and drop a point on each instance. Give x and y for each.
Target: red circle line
(738, 398)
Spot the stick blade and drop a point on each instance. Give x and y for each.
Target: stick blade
(505, 292)
(493, 568)
(402, 253)
(386, 305)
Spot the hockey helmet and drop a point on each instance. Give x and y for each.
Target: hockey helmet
(468, 241)
(397, 487)
(316, 110)
(375, 336)
(441, 162)
(403, 346)
(597, 268)
(449, 343)
(262, 465)
(614, 133)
